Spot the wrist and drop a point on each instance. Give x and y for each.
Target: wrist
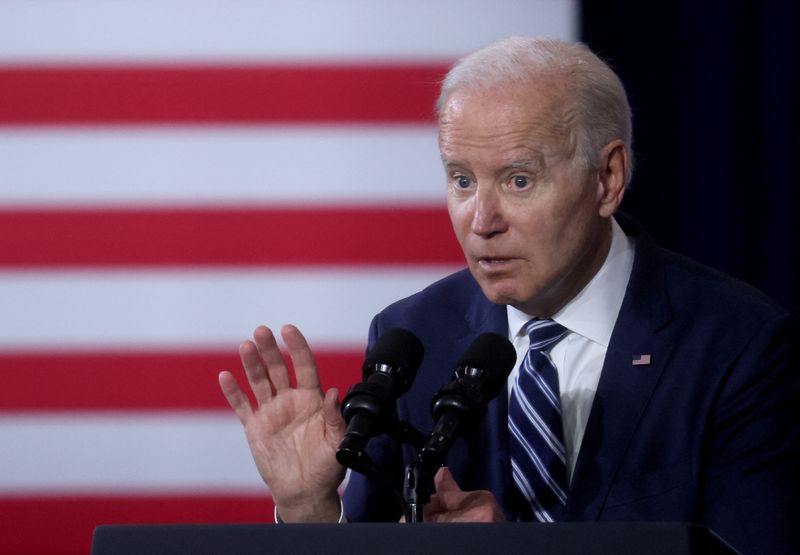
(327, 508)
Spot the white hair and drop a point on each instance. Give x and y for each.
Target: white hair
(598, 99)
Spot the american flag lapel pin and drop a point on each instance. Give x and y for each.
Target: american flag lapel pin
(642, 360)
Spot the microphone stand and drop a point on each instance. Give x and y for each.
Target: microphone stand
(418, 479)
(417, 490)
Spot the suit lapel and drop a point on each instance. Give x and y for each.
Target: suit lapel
(622, 396)
(636, 357)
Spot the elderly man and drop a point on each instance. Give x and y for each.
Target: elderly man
(647, 386)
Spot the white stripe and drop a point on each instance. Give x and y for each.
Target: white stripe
(544, 387)
(70, 452)
(522, 482)
(543, 516)
(544, 430)
(207, 308)
(518, 396)
(537, 462)
(313, 29)
(193, 165)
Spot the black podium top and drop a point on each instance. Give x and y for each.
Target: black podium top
(623, 538)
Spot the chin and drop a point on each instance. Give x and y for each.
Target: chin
(504, 295)
(498, 294)
(500, 289)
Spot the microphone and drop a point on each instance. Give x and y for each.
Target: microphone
(460, 405)
(388, 371)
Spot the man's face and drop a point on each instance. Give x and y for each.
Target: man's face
(526, 215)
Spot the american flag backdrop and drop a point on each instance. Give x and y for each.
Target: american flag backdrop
(174, 173)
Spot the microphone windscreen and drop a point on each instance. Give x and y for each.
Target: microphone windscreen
(495, 355)
(399, 349)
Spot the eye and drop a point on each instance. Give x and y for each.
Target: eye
(463, 182)
(520, 181)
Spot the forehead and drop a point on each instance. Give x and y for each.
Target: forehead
(532, 117)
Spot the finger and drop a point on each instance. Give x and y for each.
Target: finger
(433, 509)
(255, 371)
(235, 396)
(305, 369)
(272, 357)
(444, 481)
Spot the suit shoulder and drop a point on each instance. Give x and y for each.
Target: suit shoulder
(692, 288)
(447, 294)
(698, 289)
(454, 303)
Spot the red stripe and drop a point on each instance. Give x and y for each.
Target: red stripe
(64, 525)
(146, 381)
(217, 94)
(225, 237)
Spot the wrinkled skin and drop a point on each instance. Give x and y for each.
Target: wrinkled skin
(293, 432)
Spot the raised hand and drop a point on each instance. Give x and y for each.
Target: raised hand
(293, 432)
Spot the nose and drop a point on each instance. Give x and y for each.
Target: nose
(487, 219)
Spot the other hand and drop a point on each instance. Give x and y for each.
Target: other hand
(451, 504)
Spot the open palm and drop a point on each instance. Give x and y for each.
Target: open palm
(293, 432)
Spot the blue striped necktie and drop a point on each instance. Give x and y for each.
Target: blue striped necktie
(538, 456)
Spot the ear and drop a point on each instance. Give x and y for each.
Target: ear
(612, 167)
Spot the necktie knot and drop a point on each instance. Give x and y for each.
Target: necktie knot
(543, 334)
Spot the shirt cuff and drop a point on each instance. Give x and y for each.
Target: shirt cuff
(342, 518)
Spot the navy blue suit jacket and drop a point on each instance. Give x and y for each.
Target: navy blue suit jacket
(708, 432)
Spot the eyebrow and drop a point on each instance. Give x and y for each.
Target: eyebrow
(524, 163)
(515, 164)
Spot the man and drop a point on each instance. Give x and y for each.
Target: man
(677, 387)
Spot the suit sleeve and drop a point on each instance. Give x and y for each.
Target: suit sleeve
(753, 449)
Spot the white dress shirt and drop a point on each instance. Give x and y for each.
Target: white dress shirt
(578, 357)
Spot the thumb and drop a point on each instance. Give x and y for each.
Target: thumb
(444, 481)
(331, 413)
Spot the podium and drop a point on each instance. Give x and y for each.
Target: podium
(568, 538)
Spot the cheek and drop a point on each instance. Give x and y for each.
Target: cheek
(544, 241)
(532, 225)
(460, 217)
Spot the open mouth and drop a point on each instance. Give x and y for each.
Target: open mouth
(493, 263)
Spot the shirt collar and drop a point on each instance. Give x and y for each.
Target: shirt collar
(592, 312)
